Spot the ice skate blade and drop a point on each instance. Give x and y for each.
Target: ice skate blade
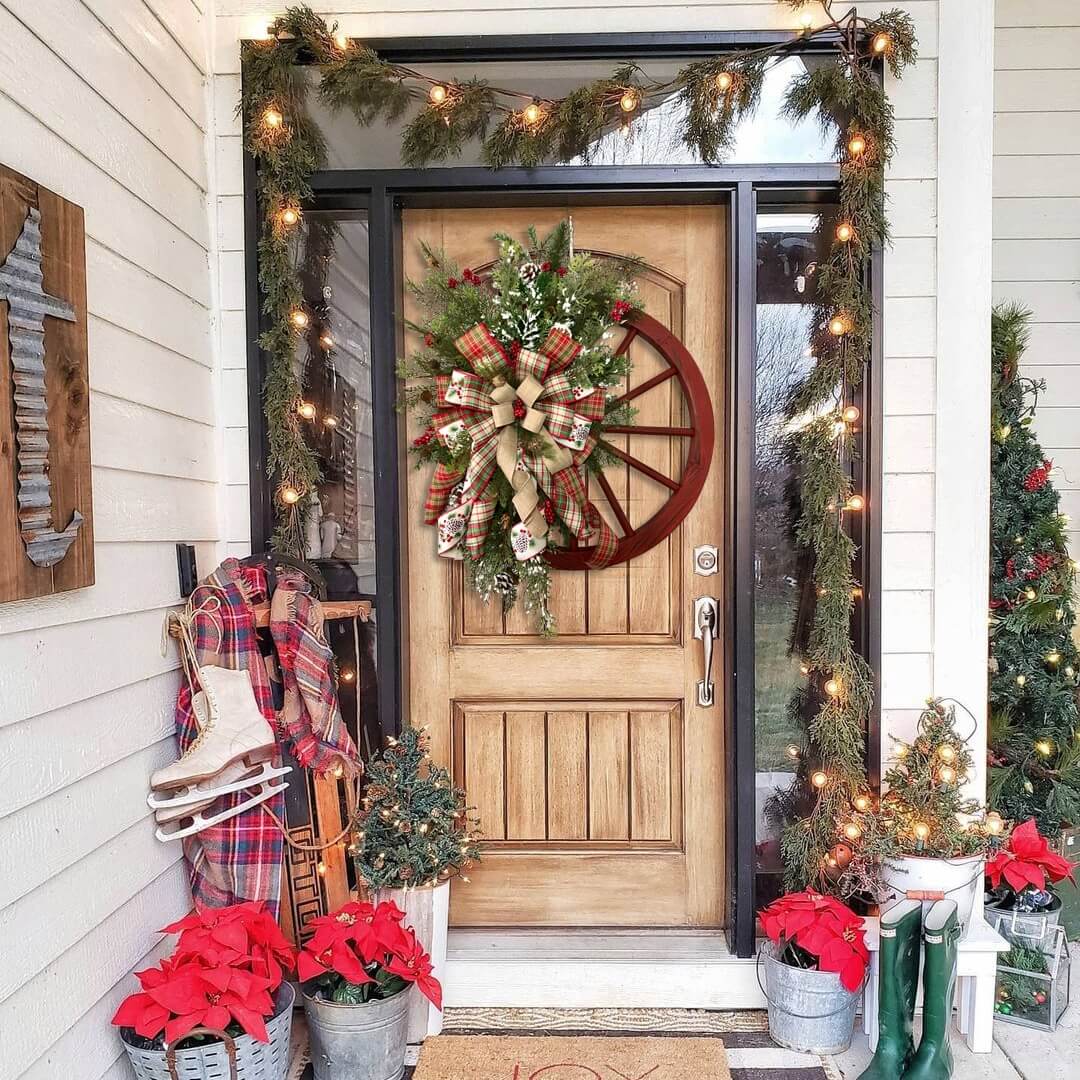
(251, 758)
(160, 800)
(200, 821)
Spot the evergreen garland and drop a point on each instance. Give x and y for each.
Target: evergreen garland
(1034, 665)
(518, 127)
(414, 827)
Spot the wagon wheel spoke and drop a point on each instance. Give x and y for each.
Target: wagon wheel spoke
(651, 429)
(648, 384)
(613, 502)
(631, 333)
(646, 470)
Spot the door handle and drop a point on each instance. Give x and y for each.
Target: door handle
(706, 629)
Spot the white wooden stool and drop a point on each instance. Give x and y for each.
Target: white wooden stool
(976, 978)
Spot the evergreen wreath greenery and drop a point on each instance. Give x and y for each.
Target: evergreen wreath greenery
(1034, 665)
(519, 127)
(413, 827)
(529, 289)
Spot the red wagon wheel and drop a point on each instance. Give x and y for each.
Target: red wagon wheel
(699, 430)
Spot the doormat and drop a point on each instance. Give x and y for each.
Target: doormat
(561, 1057)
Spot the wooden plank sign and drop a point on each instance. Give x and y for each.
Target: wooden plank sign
(46, 515)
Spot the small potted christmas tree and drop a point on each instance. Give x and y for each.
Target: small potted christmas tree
(933, 839)
(413, 835)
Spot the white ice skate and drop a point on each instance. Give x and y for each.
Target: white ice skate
(231, 753)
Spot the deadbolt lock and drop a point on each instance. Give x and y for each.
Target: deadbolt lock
(706, 560)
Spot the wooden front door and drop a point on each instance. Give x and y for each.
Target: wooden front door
(597, 777)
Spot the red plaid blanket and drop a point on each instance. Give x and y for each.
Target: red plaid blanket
(240, 859)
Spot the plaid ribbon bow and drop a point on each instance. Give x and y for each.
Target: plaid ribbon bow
(484, 403)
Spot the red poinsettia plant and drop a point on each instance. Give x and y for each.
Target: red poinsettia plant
(222, 974)
(363, 952)
(818, 932)
(1026, 864)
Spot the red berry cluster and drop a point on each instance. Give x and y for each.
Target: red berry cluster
(1038, 476)
(561, 271)
(1042, 564)
(471, 277)
(425, 438)
(545, 267)
(429, 340)
(620, 310)
(519, 409)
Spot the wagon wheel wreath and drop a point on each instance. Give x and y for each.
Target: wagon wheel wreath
(514, 387)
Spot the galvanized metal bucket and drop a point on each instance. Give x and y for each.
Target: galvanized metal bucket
(228, 1059)
(358, 1042)
(810, 1011)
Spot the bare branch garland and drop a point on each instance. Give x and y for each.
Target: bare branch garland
(519, 127)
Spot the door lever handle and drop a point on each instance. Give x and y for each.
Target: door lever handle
(706, 629)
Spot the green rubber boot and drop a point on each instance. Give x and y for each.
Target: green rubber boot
(933, 1060)
(898, 983)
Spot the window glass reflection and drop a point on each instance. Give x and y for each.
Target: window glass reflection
(653, 139)
(333, 361)
(789, 246)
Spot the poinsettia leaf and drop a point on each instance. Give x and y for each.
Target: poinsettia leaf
(178, 1027)
(231, 934)
(852, 973)
(308, 967)
(348, 965)
(1026, 841)
(347, 993)
(1020, 873)
(217, 1016)
(152, 1022)
(251, 1022)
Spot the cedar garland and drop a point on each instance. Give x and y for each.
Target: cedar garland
(518, 127)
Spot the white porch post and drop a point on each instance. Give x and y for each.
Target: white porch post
(962, 431)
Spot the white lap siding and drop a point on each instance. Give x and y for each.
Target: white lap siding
(1037, 212)
(106, 102)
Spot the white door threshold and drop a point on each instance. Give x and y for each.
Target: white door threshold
(596, 969)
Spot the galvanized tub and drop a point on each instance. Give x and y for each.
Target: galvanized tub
(358, 1042)
(230, 1059)
(810, 1011)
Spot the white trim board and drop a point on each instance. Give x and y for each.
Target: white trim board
(578, 969)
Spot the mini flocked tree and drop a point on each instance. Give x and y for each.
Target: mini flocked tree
(414, 827)
(1034, 756)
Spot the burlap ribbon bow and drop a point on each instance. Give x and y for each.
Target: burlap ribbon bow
(484, 403)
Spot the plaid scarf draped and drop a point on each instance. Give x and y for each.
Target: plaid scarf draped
(240, 859)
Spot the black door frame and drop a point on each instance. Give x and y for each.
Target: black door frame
(384, 193)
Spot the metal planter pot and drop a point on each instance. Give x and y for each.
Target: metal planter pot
(230, 1059)
(358, 1042)
(959, 879)
(809, 1011)
(1032, 927)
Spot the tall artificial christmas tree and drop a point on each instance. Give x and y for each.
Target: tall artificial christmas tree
(1034, 755)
